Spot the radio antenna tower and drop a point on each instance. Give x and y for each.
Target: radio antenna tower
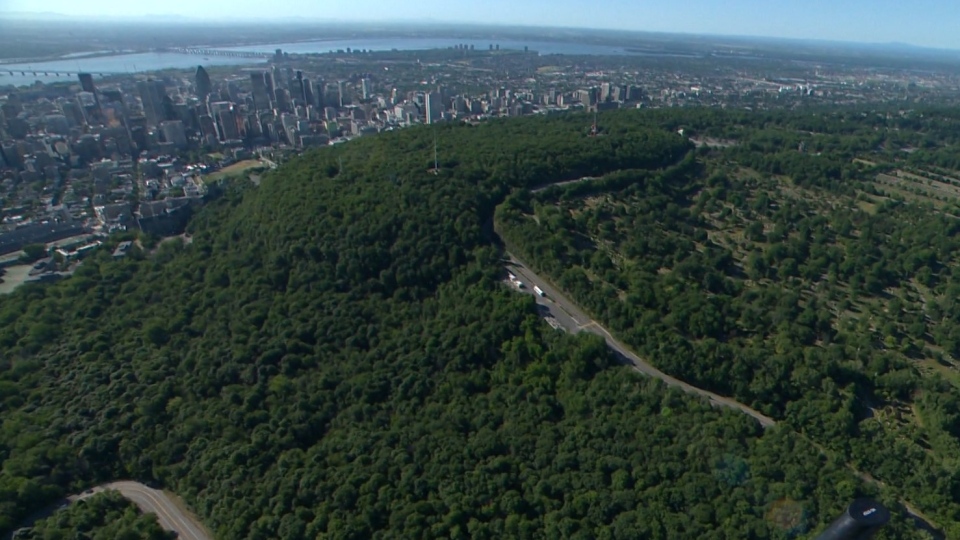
(593, 129)
(436, 160)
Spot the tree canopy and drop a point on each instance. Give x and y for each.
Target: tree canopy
(334, 354)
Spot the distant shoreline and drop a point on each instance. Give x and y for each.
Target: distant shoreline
(68, 57)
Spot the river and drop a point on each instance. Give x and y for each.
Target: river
(152, 61)
(123, 63)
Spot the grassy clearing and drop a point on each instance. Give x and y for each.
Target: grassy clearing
(867, 206)
(14, 277)
(711, 142)
(933, 188)
(237, 169)
(929, 365)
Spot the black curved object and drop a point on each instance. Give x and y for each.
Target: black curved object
(863, 518)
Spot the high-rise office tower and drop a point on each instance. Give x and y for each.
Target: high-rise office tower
(293, 86)
(270, 81)
(151, 106)
(233, 92)
(298, 90)
(86, 82)
(56, 123)
(278, 81)
(216, 106)
(207, 126)
(168, 109)
(138, 132)
(282, 100)
(192, 122)
(201, 109)
(261, 99)
(228, 125)
(320, 93)
(588, 96)
(366, 88)
(308, 97)
(11, 154)
(86, 85)
(173, 132)
(340, 99)
(204, 87)
(73, 112)
(152, 93)
(605, 89)
(289, 124)
(433, 106)
(253, 125)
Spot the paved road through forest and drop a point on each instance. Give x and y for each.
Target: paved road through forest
(569, 316)
(171, 516)
(574, 320)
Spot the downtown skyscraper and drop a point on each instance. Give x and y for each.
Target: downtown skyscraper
(261, 94)
(152, 93)
(204, 87)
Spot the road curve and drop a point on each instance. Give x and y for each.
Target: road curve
(171, 516)
(571, 317)
(563, 183)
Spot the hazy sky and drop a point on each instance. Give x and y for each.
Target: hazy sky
(920, 22)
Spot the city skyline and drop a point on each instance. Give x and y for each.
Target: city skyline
(926, 23)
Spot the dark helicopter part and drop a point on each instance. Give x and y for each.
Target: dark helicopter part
(863, 518)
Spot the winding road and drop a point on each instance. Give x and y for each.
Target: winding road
(560, 312)
(170, 515)
(572, 318)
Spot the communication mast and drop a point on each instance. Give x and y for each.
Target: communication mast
(593, 128)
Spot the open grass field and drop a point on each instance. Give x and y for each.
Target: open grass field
(237, 169)
(14, 277)
(940, 190)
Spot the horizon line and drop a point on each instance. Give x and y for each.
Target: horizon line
(426, 23)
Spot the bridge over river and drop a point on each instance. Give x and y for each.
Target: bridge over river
(67, 72)
(52, 73)
(216, 52)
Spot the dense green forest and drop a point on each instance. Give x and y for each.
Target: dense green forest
(334, 355)
(778, 271)
(104, 516)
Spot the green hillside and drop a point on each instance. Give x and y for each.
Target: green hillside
(334, 356)
(805, 274)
